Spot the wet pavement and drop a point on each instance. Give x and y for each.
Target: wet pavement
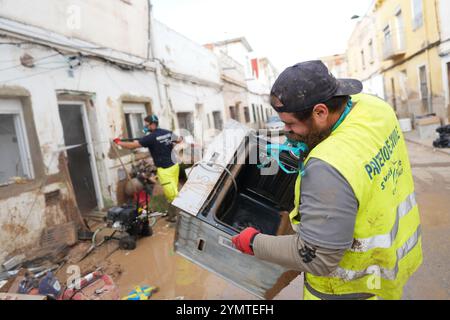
(431, 170)
(153, 262)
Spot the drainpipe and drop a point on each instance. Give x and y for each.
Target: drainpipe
(425, 22)
(151, 54)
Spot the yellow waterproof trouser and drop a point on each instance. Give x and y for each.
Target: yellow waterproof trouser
(168, 178)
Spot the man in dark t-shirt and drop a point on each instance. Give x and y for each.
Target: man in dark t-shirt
(160, 143)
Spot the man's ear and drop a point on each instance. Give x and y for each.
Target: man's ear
(320, 112)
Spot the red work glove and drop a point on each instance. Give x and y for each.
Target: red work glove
(243, 240)
(117, 140)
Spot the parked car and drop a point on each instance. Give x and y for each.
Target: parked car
(274, 123)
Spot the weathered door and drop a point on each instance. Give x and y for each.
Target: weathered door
(78, 156)
(448, 91)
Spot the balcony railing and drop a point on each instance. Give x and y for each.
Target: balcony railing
(392, 49)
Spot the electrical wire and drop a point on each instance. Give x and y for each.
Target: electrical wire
(38, 36)
(33, 75)
(35, 60)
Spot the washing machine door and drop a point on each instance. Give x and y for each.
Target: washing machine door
(204, 176)
(205, 241)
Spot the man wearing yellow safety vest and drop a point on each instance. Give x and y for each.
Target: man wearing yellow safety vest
(358, 233)
(160, 143)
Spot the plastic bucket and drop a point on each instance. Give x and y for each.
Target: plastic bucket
(405, 124)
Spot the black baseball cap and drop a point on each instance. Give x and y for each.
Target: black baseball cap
(306, 84)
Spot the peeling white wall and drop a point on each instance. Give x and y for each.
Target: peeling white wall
(22, 218)
(112, 23)
(183, 55)
(196, 77)
(107, 83)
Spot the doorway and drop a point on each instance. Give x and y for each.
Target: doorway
(394, 95)
(81, 163)
(448, 90)
(424, 92)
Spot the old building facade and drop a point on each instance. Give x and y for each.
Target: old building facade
(69, 85)
(444, 49)
(65, 92)
(259, 75)
(409, 40)
(363, 54)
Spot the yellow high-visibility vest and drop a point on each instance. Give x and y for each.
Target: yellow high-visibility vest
(369, 151)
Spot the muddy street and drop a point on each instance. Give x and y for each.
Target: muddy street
(154, 263)
(431, 169)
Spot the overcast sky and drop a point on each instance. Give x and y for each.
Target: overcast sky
(285, 31)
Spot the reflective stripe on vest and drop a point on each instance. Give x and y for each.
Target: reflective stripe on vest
(388, 274)
(324, 296)
(386, 240)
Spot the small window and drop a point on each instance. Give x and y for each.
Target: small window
(258, 114)
(134, 118)
(233, 114)
(247, 114)
(254, 112)
(15, 160)
(400, 30)
(186, 121)
(417, 14)
(262, 112)
(388, 48)
(218, 123)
